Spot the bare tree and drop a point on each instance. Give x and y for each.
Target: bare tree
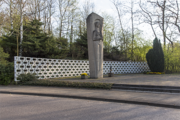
(147, 16)
(64, 6)
(87, 8)
(161, 18)
(11, 7)
(48, 13)
(118, 6)
(174, 10)
(156, 14)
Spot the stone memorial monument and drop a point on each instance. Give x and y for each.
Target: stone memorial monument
(95, 45)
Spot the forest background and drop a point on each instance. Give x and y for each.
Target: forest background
(57, 29)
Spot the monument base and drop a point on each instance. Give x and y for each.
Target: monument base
(96, 77)
(84, 77)
(110, 74)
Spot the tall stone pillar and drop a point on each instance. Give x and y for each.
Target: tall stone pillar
(95, 45)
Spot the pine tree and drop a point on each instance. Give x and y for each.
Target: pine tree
(36, 43)
(9, 44)
(80, 47)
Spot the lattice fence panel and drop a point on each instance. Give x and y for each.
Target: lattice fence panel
(119, 67)
(54, 68)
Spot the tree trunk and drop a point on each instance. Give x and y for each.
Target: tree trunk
(60, 31)
(39, 11)
(71, 38)
(80, 28)
(21, 27)
(163, 22)
(11, 19)
(132, 21)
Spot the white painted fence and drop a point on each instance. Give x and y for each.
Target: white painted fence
(54, 68)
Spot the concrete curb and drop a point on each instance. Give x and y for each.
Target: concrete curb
(148, 86)
(153, 88)
(96, 99)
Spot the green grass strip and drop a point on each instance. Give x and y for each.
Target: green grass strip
(69, 84)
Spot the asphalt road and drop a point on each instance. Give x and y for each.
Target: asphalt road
(24, 107)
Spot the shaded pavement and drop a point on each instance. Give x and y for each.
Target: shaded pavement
(135, 79)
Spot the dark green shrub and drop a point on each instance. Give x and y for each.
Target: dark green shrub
(58, 83)
(6, 73)
(155, 57)
(27, 77)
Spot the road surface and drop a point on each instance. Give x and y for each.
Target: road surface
(24, 107)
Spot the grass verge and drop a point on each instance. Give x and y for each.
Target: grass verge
(69, 84)
(158, 73)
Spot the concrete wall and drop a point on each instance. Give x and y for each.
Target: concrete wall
(54, 68)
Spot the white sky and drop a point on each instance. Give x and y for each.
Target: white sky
(104, 6)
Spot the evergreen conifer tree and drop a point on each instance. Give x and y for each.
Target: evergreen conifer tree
(155, 57)
(36, 43)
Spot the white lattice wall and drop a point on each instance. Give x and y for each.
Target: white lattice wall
(119, 67)
(54, 68)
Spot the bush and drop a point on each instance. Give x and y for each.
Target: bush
(155, 57)
(3, 56)
(69, 84)
(172, 57)
(27, 77)
(6, 73)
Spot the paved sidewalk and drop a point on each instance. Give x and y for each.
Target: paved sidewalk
(142, 98)
(135, 79)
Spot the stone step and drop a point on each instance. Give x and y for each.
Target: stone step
(152, 88)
